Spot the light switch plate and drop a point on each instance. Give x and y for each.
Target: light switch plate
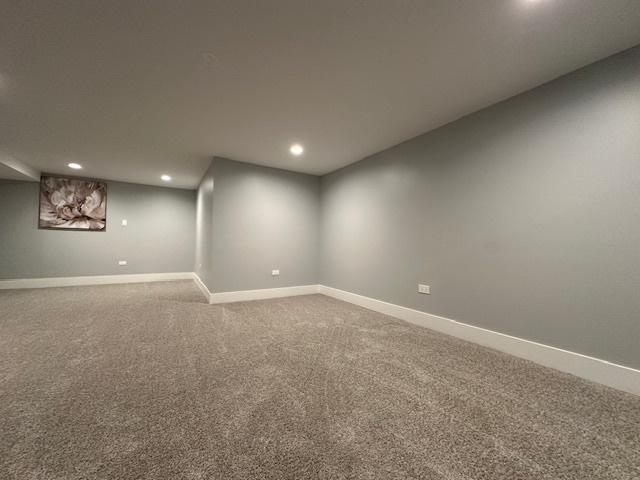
(122, 262)
(275, 273)
(426, 289)
(124, 222)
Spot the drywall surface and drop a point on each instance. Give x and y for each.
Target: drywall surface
(204, 229)
(524, 218)
(159, 236)
(264, 219)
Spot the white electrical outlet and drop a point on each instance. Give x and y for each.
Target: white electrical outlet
(122, 262)
(124, 222)
(275, 273)
(424, 289)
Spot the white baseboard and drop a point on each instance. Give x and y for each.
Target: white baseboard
(590, 368)
(201, 285)
(245, 295)
(93, 280)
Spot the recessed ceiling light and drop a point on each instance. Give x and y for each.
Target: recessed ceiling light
(296, 149)
(166, 178)
(75, 166)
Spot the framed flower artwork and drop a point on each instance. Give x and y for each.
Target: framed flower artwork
(68, 203)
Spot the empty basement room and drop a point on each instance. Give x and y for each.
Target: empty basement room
(304, 239)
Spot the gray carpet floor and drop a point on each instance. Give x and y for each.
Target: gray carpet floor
(146, 381)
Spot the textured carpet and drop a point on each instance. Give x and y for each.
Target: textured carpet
(146, 381)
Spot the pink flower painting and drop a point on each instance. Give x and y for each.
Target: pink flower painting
(72, 204)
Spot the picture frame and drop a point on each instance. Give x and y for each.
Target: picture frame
(72, 204)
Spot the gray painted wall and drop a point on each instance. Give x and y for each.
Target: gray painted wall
(159, 237)
(204, 230)
(524, 218)
(263, 219)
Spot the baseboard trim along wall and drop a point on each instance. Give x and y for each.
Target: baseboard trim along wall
(244, 295)
(201, 285)
(93, 280)
(589, 368)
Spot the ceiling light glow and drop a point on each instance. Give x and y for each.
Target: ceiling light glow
(296, 149)
(75, 166)
(165, 178)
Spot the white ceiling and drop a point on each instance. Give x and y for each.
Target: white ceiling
(132, 90)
